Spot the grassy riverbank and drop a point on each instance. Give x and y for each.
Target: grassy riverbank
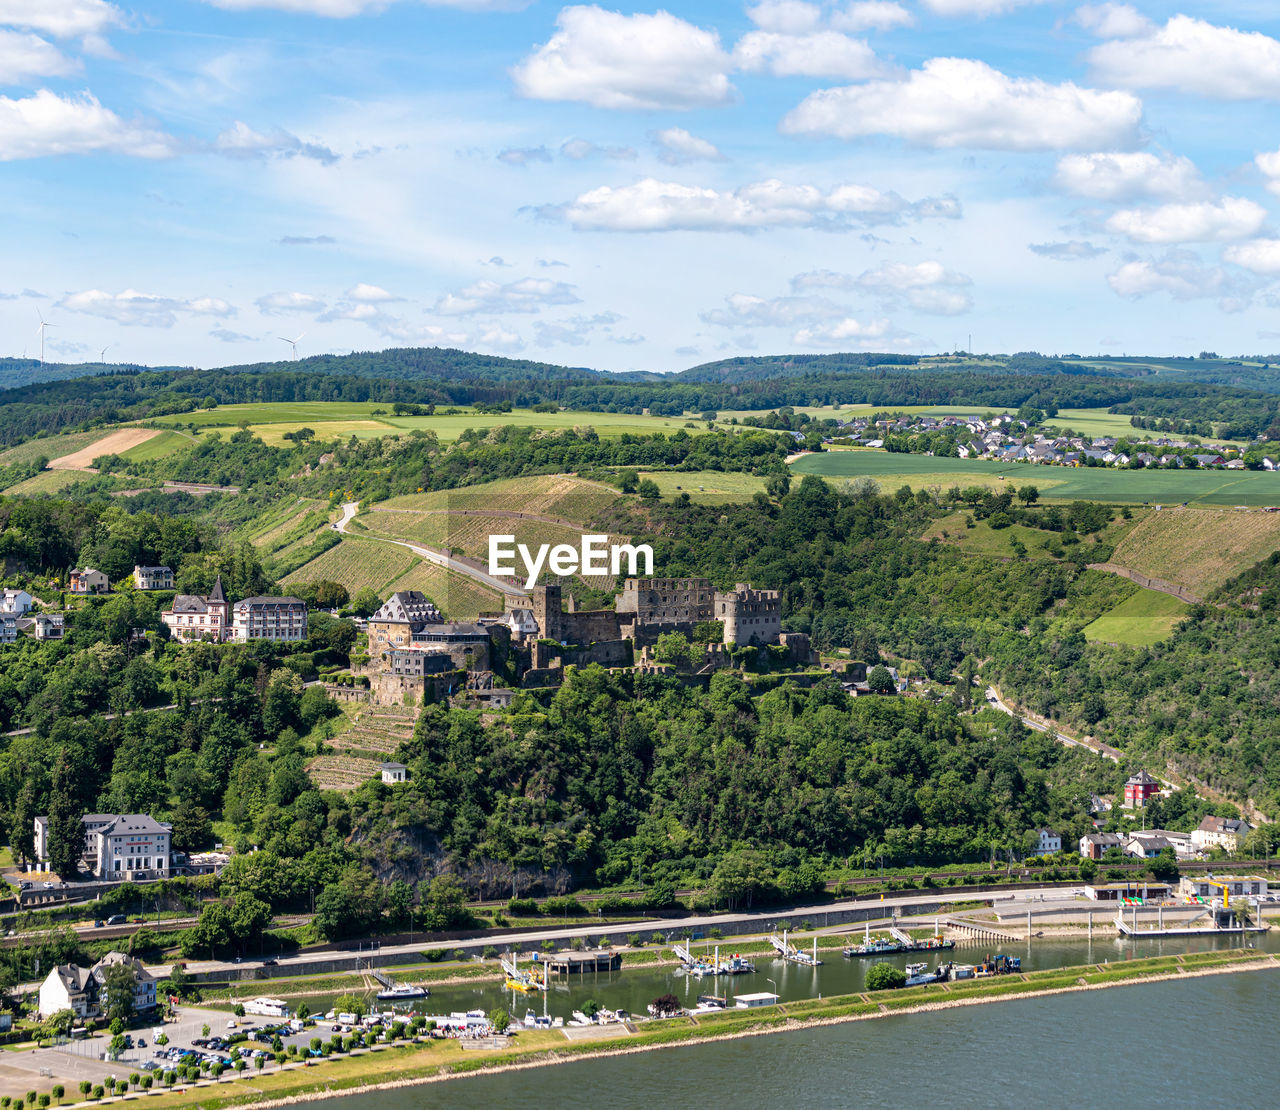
(409, 1064)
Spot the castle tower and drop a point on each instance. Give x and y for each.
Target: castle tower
(546, 611)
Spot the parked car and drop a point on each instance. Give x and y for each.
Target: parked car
(117, 919)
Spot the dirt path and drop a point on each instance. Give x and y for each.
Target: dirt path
(115, 443)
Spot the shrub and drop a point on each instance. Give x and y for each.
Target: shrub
(885, 977)
(523, 907)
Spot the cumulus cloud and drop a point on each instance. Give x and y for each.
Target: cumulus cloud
(1210, 221)
(926, 286)
(134, 309)
(491, 297)
(1261, 256)
(46, 124)
(979, 8)
(677, 147)
(961, 102)
(612, 60)
(61, 18)
(823, 53)
(1126, 175)
(278, 304)
(747, 311)
(651, 205)
(871, 15)
(787, 17)
(1073, 250)
(24, 56)
(370, 294)
(1181, 274)
(1112, 21)
(1193, 56)
(845, 332)
(1269, 164)
(242, 141)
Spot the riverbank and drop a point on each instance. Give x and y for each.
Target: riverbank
(410, 1065)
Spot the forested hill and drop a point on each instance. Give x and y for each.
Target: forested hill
(425, 364)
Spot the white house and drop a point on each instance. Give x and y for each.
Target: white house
(1220, 832)
(118, 846)
(393, 773)
(1049, 842)
(269, 618)
(197, 617)
(153, 578)
(82, 990)
(8, 629)
(16, 602)
(48, 626)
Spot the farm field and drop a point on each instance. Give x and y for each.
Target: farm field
(1143, 619)
(368, 419)
(1198, 548)
(270, 533)
(113, 443)
(356, 563)
(49, 481)
(467, 533)
(563, 496)
(1056, 483)
(165, 443)
(1099, 422)
(706, 487)
(48, 447)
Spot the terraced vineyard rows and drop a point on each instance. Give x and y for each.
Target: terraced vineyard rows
(357, 563)
(375, 735)
(1198, 548)
(458, 597)
(558, 495)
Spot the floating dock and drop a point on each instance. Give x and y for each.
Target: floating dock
(579, 963)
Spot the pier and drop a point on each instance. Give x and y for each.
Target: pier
(979, 932)
(579, 963)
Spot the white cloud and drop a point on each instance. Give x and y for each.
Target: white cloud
(1193, 56)
(926, 286)
(24, 56)
(871, 15)
(523, 155)
(822, 279)
(277, 304)
(370, 294)
(1073, 250)
(1269, 164)
(1123, 176)
(573, 332)
(1206, 222)
(149, 310)
(651, 205)
(815, 54)
(525, 295)
(226, 335)
(612, 60)
(578, 150)
(979, 8)
(677, 147)
(1112, 21)
(63, 18)
(787, 17)
(46, 124)
(960, 102)
(747, 311)
(1179, 273)
(846, 332)
(1262, 256)
(242, 141)
(344, 9)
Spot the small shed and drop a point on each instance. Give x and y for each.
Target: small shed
(393, 773)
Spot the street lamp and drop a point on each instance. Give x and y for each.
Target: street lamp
(776, 994)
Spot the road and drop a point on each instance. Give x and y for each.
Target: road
(1095, 746)
(431, 555)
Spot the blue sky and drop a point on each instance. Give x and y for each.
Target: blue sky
(637, 187)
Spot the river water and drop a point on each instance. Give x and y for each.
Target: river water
(1210, 1042)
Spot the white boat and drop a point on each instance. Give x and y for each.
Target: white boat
(579, 1018)
(402, 992)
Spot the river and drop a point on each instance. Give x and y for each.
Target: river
(1207, 1042)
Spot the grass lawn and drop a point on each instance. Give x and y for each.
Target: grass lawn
(1198, 548)
(6, 857)
(982, 539)
(1056, 483)
(1100, 422)
(166, 443)
(1141, 620)
(707, 487)
(50, 481)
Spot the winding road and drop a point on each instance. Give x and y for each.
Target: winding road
(431, 555)
(1096, 746)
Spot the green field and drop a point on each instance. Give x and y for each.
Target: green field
(706, 487)
(569, 498)
(1144, 619)
(166, 443)
(1056, 483)
(368, 419)
(1099, 422)
(49, 481)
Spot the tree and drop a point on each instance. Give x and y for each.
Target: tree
(66, 829)
(665, 1005)
(740, 877)
(1028, 495)
(1164, 868)
(85, 1087)
(58, 1092)
(627, 480)
(120, 984)
(880, 681)
(778, 486)
(501, 1021)
(885, 977)
(648, 490)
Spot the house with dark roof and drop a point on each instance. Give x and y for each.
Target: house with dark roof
(199, 617)
(1140, 789)
(83, 990)
(152, 578)
(269, 618)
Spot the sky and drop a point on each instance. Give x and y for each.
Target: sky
(204, 182)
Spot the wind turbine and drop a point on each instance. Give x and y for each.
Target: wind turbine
(292, 343)
(43, 324)
(102, 354)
